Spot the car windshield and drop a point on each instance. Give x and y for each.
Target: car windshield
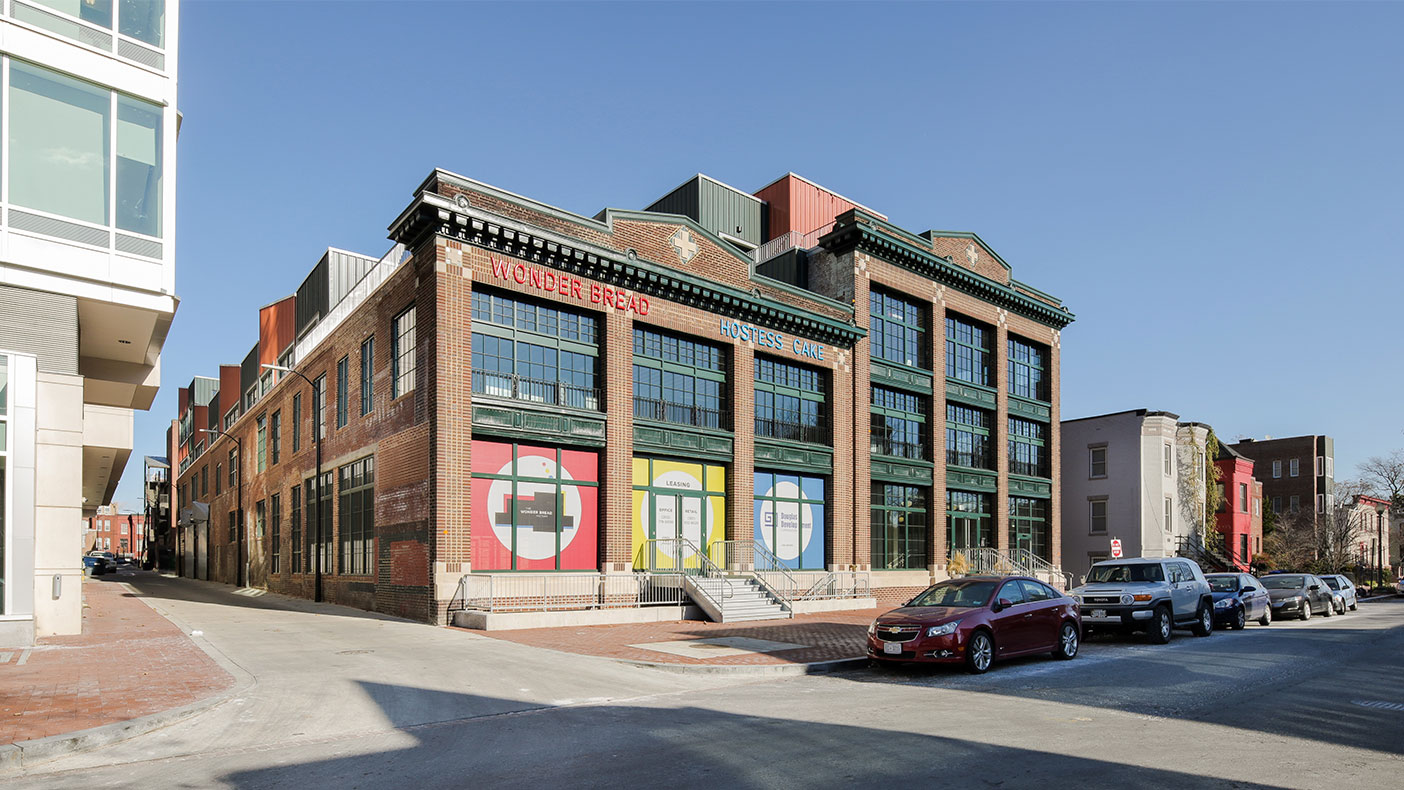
(969, 594)
(1284, 582)
(1332, 582)
(1138, 572)
(1223, 583)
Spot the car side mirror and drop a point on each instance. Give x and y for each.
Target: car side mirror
(1003, 603)
(1249, 589)
(1314, 587)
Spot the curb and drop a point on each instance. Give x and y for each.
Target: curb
(21, 755)
(812, 668)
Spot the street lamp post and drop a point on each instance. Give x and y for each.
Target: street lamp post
(239, 496)
(317, 443)
(1379, 545)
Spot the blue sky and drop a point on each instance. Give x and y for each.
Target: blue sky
(1214, 189)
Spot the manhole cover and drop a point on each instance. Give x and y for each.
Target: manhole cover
(1380, 704)
(353, 652)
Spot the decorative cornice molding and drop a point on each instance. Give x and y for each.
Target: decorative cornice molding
(855, 229)
(431, 214)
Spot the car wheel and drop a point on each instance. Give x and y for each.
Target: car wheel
(1354, 607)
(979, 654)
(1330, 609)
(1161, 627)
(1306, 610)
(1067, 642)
(1266, 619)
(1204, 626)
(1241, 621)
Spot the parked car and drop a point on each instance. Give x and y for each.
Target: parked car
(1154, 595)
(1298, 595)
(1344, 590)
(977, 620)
(1238, 598)
(96, 564)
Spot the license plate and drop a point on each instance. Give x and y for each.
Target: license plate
(892, 648)
(1098, 613)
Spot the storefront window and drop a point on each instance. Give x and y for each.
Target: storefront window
(679, 381)
(968, 521)
(676, 499)
(534, 508)
(790, 518)
(1028, 526)
(899, 523)
(357, 516)
(58, 154)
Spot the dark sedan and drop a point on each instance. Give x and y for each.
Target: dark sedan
(977, 620)
(1298, 595)
(1239, 598)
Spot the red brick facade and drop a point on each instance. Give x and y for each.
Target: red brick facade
(628, 270)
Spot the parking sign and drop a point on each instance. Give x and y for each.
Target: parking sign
(1116, 548)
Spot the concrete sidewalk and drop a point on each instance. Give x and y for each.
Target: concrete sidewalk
(807, 643)
(129, 664)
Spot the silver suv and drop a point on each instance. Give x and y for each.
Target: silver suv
(1154, 595)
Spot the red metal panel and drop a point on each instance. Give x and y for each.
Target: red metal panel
(796, 204)
(182, 400)
(777, 199)
(229, 393)
(276, 327)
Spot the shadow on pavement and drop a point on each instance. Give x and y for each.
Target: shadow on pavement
(627, 746)
(157, 587)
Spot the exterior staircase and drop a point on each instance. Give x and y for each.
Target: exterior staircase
(748, 600)
(1209, 560)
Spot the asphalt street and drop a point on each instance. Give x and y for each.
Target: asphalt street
(350, 700)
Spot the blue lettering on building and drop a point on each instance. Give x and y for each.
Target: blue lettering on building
(767, 339)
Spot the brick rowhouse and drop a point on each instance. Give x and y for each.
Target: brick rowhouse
(516, 390)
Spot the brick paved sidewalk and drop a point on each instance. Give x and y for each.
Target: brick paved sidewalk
(128, 662)
(826, 637)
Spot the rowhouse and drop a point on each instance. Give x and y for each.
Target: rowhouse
(518, 403)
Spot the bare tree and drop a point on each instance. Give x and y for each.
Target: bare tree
(1292, 545)
(1339, 527)
(1384, 474)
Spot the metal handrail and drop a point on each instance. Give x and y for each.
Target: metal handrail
(555, 393)
(983, 559)
(682, 551)
(769, 570)
(547, 592)
(1033, 565)
(793, 430)
(679, 413)
(886, 445)
(861, 586)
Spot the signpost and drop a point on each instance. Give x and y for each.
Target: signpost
(1116, 548)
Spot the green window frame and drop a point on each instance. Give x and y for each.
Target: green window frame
(679, 380)
(356, 513)
(233, 465)
(262, 442)
(527, 351)
(969, 521)
(367, 374)
(402, 356)
(1028, 448)
(968, 346)
(295, 528)
(219, 478)
(791, 401)
(260, 517)
(275, 436)
(309, 496)
(969, 439)
(899, 526)
(897, 330)
(233, 526)
(1028, 366)
(898, 424)
(297, 421)
(343, 390)
(1028, 521)
(275, 533)
(319, 405)
(559, 487)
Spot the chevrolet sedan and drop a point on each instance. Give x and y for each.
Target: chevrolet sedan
(977, 620)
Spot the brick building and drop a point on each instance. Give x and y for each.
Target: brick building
(516, 390)
(1297, 473)
(1240, 515)
(123, 534)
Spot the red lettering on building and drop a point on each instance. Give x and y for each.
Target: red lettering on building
(552, 282)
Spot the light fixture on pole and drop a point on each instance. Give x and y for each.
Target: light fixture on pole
(1379, 543)
(317, 442)
(239, 574)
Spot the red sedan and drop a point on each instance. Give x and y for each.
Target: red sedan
(977, 620)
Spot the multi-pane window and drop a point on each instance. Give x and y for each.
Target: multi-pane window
(233, 526)
(275, 434)
(898, 425)
(1097, 516)
(295, 528)
(1096, 462)
(1293, 467)
(357, 516)
(1028, 448)
(790, 402)
(1168, 459)
(679, 380)
(1169, 514)
(367, 374)
(319, 405)
(899, 524)
(402, 359)
(343, 390)
(1028, 366)
(535, 353)
(1028, 526)
(968, 441)
(297, 421)
(968, 351)
(233, 466)
(897, 330)
(275, 530)
(262, 442)
(260, 517)
(143, 20)
(61, 158)
(219, 478)
(1243, 497)
(205, 480)
(319, 511)
(969, 521)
